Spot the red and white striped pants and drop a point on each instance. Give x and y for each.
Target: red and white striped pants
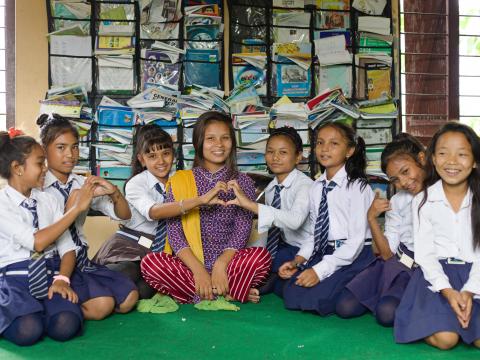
(169, 275)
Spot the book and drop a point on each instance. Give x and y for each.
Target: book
(333, 4)
(378, 81)
(335, 76)
(291, 79)
(202, 67)
(158, 70)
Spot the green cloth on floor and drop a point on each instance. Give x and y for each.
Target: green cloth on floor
(264, 331)
(158, 304)
(215, 305)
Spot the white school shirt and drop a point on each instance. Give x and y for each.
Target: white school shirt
(16, 225)
(398, 221)
(101, 203)
(440, 233)
(292, 219)
(347, 213)
(141, 195)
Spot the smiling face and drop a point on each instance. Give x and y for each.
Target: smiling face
(217, 145)
(62, 155)
(453, 158)
(405, 173)
(34, 169)
(281, 156)
(158, 162)
(332, 149)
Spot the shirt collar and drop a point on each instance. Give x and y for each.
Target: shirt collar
(16, 196)
(50, 179)
(287, 182)
(152, 181)
(340, 177)
(436, 193)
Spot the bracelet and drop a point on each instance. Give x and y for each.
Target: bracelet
(61, 277)
(182, 209)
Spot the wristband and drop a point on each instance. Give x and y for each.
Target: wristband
(61, 277)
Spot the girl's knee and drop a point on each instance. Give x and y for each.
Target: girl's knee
(129, 303)
(98, 308)
(443, 340)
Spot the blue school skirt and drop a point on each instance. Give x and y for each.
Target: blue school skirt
(16, 301)
(382, 278)
(101, 282)
(422, 312)
(285, 252)
(322, 298)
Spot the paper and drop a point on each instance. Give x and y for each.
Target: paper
(332, 50)
(371, 7)
(71, 45)
(115, 73)
(67, 71)
(374, 24)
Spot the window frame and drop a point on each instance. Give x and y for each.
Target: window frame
(10, 61)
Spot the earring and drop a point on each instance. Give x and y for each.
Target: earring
(19, 174)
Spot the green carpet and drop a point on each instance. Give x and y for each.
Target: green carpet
(262, 331)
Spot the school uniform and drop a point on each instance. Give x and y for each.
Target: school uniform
(444, 251)
(90, 280)
(127, 243)
(347, 251)
(389, 278)
(221, 228)
(291, 219)
(17, 228)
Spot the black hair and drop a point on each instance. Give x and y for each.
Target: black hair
(14, 149)
(54, 125)
(290, 133)
(402, 144)
(149, 137)
(431, 175)
(355, 165)
(199, 138)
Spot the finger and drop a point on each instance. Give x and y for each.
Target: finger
(231, 202)
(377, 195)
(50, 293)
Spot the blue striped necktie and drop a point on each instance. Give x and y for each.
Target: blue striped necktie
(161, 229)
(37, 266)
(322, 224)
(82, 256)
(274, 234)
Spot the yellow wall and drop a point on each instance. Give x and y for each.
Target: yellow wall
(31, 81)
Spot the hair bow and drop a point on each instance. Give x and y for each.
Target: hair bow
(12, 132)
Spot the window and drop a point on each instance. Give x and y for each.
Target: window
(469, 62)
(7, 64)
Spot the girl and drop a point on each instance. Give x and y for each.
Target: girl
(283, 220)
(380, 287)
(209, 243)
(32, 242)
(145, 192)
(440, 304)
(339, 201)
(99, 289)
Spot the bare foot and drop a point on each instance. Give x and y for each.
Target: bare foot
(254, 296)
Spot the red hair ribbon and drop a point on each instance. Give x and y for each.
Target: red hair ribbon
(12, 132)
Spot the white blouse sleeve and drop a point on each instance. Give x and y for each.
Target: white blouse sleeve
(292, 218)
(139, 197)
(393, 224)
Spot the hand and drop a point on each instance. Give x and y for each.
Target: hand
(459, 305)
(82, 198)
(378, 206)
(102, 186)
(287, 270)
(241, 199)
(63, 288)
(203, 285)
(468, 299)
(220, 279)
(307, 278)
(211, 197)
